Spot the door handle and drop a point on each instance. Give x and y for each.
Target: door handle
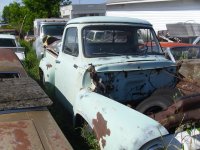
(58, 61)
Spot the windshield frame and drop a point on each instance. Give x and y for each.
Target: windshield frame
(160, 51)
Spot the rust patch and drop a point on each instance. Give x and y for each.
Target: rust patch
(188, 86)
(56, 139)
(182, 111)
(19, 135)
(20, 124)
(100, 128)
(22, 141)
(99, 86)
(190, 76)
(7, 54)
(9, 62)
(48, 66)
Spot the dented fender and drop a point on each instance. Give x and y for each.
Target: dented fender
(116, 126)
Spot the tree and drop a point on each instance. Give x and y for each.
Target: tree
(43, 8)
(16, 14)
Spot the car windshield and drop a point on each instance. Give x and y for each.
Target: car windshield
(53, 30)
(104, 41)
(7, 43)
(192, 52)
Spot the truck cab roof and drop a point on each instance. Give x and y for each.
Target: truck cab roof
(108, 19)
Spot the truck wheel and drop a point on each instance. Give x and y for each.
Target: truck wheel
(154, 104)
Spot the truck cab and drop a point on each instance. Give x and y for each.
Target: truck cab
(124, 62)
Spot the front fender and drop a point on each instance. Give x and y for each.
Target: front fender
(116, 126)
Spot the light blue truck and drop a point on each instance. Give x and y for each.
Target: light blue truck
(103, 68)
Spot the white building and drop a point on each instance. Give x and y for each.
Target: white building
(157, 12)
(80, 10)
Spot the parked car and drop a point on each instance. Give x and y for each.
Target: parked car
(9, 41)
(25, 122)
(96, 77)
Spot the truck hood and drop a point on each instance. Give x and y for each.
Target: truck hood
(129, 63)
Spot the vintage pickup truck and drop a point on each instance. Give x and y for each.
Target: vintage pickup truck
(104, 66)
(25, 122)
(46, 26)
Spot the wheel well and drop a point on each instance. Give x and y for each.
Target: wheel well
(78, 121)
(86, 131)
(40, 71)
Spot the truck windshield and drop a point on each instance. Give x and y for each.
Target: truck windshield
(103, 41)
(53, 30)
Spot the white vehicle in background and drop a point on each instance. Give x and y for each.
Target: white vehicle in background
(46, 27)
(10, 42)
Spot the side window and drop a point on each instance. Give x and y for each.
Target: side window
(71, 42)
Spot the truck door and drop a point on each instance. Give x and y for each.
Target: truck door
(65, 73)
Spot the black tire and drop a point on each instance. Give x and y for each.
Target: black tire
(154, 104)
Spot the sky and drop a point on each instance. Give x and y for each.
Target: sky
(7, 2)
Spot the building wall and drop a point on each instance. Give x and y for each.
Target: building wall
(80, 10)
(159, 13)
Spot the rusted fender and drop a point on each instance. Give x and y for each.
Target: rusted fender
(182, 111)
(116, 126)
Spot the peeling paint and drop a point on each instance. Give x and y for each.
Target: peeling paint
(49, 66)
(101, 129)
(183, 111)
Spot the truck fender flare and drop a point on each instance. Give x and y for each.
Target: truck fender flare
(109, 119)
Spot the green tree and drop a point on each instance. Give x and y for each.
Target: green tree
(14, 14)
(43, 8)
(17, 15)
